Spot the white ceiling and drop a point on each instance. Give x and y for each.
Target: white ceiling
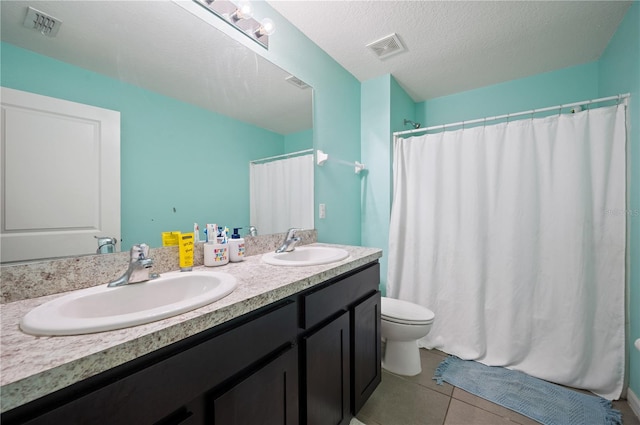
(169, 48)
(453, 46)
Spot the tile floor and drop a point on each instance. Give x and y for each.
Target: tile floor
(418, 400)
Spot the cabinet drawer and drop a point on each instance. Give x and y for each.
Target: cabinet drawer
(326, 300)
(150, 393)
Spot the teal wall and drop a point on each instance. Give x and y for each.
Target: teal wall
(299, 141)
(552, 88)
(384, 106)
(336, 110)
(336, 123)
(173, 154)
(375, 150)
(619, 72)
(357, 206)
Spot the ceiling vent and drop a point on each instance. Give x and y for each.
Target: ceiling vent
(387, 46)
(41, 22)
(297, 82)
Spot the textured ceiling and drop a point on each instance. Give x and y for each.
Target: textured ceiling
(169, 49)
(453, 46)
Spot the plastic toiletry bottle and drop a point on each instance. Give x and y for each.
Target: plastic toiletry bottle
(215, 252)
(185, 248)
(236, 246)
(196, 233)
(211, 233)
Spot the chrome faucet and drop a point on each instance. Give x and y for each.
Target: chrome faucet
(106, 245)
(139, 266)
(290, 241)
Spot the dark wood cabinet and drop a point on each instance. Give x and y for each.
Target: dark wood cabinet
(357, 298)
(327, 367)
(365, 349)
(313, 358)
(155, 387)
(268, 396)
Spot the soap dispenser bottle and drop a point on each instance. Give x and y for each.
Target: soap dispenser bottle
(236, 246)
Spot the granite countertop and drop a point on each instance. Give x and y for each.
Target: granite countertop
(33, 367)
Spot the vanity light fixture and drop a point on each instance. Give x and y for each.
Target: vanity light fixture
(267, 27)
(243, 11)
(240, 16)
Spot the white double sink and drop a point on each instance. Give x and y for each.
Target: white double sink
(306, 256)
(101, 308)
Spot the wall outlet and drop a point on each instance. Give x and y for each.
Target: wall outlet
(322, 211)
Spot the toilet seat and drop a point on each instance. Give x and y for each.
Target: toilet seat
(404, 312)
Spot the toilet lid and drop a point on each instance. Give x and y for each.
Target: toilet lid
(405, 312)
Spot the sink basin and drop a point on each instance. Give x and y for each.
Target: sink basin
(101, 308)
(306, 256)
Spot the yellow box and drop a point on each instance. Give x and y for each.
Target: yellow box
(186, 251)
(170, 238)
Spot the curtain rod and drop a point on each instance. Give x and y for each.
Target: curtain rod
(498, 117)
(284, 155)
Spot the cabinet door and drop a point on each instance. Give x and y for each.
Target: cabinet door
(366, 365)
(268, 396)
(327, 364)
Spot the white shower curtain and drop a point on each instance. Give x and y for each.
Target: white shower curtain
(514, 235)
(281, 194)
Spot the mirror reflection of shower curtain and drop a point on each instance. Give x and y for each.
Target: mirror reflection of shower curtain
(281, 194)
(514, 236)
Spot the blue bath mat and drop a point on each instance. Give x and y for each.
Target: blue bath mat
(534, 398)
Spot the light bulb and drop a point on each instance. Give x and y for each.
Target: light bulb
(244, 11)
(267, 27)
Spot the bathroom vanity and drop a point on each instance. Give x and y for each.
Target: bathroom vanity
(290, 345)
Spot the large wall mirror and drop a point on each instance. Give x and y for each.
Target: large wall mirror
(195, 105)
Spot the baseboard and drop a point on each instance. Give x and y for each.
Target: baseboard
(633, 401)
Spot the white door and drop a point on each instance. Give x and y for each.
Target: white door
(60, 176)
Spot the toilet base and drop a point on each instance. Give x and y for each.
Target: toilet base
(402, 358)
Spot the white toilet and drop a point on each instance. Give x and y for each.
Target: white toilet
(403, 323)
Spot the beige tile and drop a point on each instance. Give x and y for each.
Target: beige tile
(430, 359)
(438, 352)
(483, 404)
(461, 413)
(628, 417)
(366, 421)
(397, 401)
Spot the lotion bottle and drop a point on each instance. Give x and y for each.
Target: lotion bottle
(236, 246)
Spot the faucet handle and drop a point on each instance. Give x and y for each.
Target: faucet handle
(139, 252)
(292, 232)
